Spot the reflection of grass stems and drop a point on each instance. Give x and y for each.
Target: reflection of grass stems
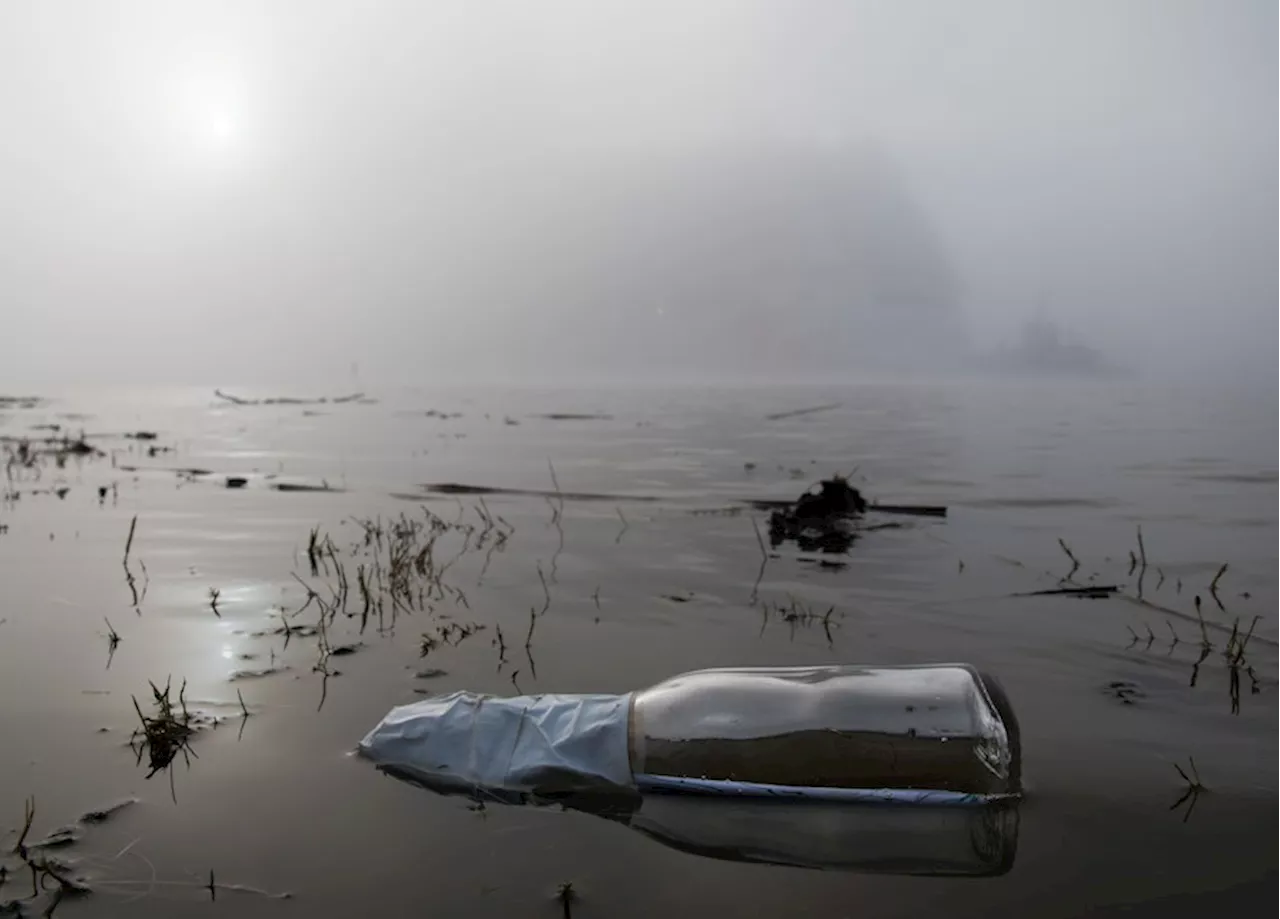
(565, 894)
(764, 560)
(1194, 788)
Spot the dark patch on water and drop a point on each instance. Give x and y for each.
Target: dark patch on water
(301, 487)
(103, 814)
(573, 416)
(1236, 478)
(1127, 692)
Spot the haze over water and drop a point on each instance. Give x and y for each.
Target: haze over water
(573, 257)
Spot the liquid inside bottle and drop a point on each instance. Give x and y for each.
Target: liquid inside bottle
(936, 728)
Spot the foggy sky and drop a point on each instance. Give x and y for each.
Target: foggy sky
(270, 192)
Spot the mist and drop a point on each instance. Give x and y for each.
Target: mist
(275, 193)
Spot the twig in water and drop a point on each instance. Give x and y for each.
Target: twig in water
(128, 543)
(528, 642)
(113, 640)
(129, 579)
(1075, 562)
(764, 560)
(146, 582)
(502, 647)
(1213, 585)
(1092, 592)
(556, 514)
(214, 593)
(1142, 572)
(617, 539)
(595, 596)
(546, 593)
(797, 412)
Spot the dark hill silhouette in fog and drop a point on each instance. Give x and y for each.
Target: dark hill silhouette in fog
(813, 263)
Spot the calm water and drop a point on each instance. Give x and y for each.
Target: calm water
(281, 806)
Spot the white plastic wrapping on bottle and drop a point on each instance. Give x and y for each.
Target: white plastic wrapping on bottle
(521, 744)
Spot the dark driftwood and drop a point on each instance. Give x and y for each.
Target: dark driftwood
(910, 510)
(456, 488)
(796, 412)
(1097, 592)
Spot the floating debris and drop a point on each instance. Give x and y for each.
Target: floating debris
(302, 487)
(456, 488)
(283, 400)
(797, 412)
(1099, 592)
(574, 416)
(103, 814)
(820, 522)
(1124, 690)
(256, 673)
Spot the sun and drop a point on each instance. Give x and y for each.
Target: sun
(222, 128)
(211, 110)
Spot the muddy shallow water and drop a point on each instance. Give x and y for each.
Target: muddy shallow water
(636, 590)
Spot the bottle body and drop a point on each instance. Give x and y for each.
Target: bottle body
(935, 728)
